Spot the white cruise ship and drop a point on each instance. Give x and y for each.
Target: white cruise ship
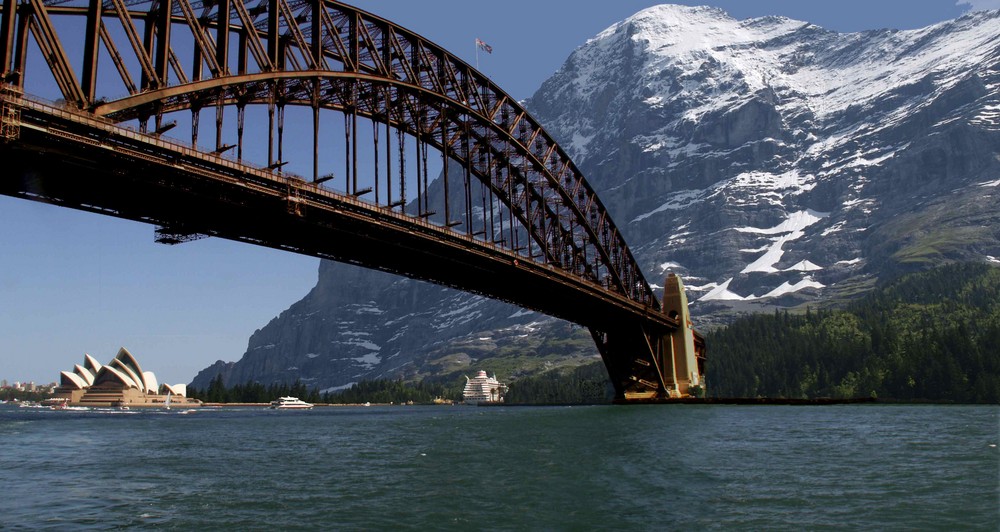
(483, 389)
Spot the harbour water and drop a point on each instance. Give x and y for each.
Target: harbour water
(886, 467)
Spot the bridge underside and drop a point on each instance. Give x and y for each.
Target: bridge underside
(184, 205)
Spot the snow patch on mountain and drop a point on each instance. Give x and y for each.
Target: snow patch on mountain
(722, 293)
(804, 266)
(795, 222)
(369, 361)
(335, 389)
(679, 200)
(791, 229)
(788, 288)
(669, 266)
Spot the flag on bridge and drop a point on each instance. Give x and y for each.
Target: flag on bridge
(485, 47)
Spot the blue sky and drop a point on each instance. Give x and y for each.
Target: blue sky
(74, 283)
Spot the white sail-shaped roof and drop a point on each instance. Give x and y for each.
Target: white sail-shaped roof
(149, 380)
(109, 373)
(91, 364)
(127, 363)
(72, 380)
(176, 389)
(84, 373)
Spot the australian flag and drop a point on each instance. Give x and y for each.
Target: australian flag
(483, 46)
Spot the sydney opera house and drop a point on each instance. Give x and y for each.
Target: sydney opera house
(119, 383)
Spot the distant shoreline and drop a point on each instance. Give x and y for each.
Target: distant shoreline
(317, 405)
(736, 401)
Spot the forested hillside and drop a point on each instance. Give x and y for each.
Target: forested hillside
(928, 336)
(932, 336)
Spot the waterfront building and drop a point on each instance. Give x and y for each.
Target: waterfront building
(121, 382)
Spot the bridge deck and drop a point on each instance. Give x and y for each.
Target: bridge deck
(83, 162)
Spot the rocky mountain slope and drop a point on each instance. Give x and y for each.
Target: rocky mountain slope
(768, 161)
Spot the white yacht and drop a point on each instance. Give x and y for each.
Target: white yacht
(483, 389)
(289, 403)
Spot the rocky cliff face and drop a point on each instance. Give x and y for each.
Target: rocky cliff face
(769, 161)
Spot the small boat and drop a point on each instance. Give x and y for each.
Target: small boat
(290, 403)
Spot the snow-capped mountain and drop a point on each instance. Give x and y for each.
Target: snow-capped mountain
(768, 161)
(769, 156)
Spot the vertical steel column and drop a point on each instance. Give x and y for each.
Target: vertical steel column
(162, 64)
(315, 108)
(418, 126)
(196, 63)
(241, 58)
(489, 183)
(527, 212)
(281, 134)
(272, 32)
(316, 48)
(220, 110)
(375, 154)
(510, 198)
(148, 30)
(353, 38)
(500, 181)
(195, 125)
(401, 139)
(427, 207)
(482, 185)
(466, 140)
(270, 125)
(222, 37)
(354, 136)
(21, 53)
(387, 60)
(347, 153)
(444, 170)
(353, 34)
(240, 117)
(388, 151)
(316, 45)
(7, 36)
(90, 49)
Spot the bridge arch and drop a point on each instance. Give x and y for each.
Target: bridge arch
(570, 227)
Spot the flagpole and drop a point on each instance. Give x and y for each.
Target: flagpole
(477, 54)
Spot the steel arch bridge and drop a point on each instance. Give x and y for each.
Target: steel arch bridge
(512, 217)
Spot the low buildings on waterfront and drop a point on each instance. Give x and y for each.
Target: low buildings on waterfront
(29, 387)
(120, 383)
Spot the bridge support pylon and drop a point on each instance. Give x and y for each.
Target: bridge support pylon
(655, 366)
(687, 347)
